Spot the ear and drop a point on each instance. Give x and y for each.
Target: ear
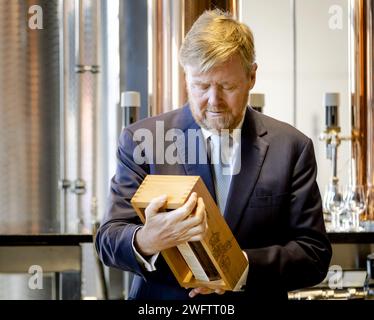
(252, 76)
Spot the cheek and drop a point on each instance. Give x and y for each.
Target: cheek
(197, 95)
(234, 101)
(198, 99)
(237, 103)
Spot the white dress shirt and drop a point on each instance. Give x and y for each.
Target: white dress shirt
(229, 155)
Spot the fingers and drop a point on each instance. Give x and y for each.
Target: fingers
(203, 290)
(198, 218)
(196, 233)
(194, 228)
(178, 225)
(155, 205)
(219, 291)
(184, 211)
(200, 210)
(193, 293)
(200, 290)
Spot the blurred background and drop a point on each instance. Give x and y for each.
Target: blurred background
(63, 67)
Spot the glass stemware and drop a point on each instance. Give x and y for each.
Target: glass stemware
(355, 203)
(335, 205)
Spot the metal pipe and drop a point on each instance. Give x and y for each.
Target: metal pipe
(87, 69)
(79, 52)
(361, 58)
(64, 184)
(168, 22)
(358, 89)
(334, 156)
(370, 106)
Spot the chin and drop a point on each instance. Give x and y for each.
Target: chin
(218, 124)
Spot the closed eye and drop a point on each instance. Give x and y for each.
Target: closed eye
(201, 86)
(228, 88)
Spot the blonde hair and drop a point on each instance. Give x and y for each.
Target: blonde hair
(214, 38)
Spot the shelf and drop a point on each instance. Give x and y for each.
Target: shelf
(76, 239)
(351, 237)
(44, 239)
(60, 254)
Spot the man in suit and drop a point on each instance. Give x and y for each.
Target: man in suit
(270, 200)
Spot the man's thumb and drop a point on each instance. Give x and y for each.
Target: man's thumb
(155, 205)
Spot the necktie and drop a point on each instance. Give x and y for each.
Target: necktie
(218, 149)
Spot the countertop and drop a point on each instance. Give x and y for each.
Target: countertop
(45, 239)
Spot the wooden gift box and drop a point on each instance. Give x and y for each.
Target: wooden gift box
(217, 261)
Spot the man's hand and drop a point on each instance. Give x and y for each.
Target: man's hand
(163, 230)
(203, 290)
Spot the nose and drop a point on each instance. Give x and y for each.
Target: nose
(214, 96)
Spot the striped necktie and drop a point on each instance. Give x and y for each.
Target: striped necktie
(221, 167)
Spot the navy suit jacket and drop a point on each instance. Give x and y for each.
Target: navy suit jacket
(273, 208)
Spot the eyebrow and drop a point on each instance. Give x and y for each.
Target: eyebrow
(220, 83)
(198, 82)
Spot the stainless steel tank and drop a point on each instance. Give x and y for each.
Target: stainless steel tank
(29, 119)
(48, 116)
(52, 136)
(29, 131)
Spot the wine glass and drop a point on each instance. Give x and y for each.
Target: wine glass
(355, 203)
(335, 205)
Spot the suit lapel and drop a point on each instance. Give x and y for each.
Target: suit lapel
(197, 164)
(253, 152)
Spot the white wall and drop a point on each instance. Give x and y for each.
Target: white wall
(270, 22)
(321, 66)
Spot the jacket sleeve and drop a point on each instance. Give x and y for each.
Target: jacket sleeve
(114, 238)
(304, 259)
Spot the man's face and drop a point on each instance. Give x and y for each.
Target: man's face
(218, 97)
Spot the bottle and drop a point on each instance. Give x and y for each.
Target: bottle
(331, 103)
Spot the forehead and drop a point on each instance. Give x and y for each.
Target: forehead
(229, 71)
